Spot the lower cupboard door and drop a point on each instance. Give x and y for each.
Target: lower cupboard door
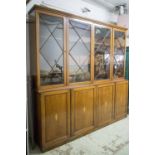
(105, 108)
(121, 99)
(82, 109)
(55, 117)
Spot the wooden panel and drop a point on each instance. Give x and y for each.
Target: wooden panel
(83, 104)
(121, 99)
(105, 103)
(55, 117)
(119, 51)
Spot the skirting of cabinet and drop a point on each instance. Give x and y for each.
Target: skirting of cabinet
(70, 139)
(83, 134)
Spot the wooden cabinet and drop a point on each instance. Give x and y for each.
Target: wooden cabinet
(54, 117)
(83, 105)
(105, 103)
(76, 62)
(121, 99)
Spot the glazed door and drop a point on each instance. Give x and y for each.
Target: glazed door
(121, 99)
(55, 117)
(105, 97)
(83, 104)
(79, 51)
(51, 50)
(119, 54)
(102, 53)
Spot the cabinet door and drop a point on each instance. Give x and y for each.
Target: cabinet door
(121, 99)
(79, 51)
(83, 104)
(51, 50)
(102, 50)
(105, 103)
(55, 117)
(119, 54)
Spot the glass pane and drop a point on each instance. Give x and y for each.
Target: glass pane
(51, 50)
(102, 53)
(79, 51)
(119, 51)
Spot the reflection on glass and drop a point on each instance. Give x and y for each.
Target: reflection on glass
(79, 51)
(119, 51)
(102, 53)
(51, 50)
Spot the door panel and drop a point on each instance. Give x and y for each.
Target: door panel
(105, 103)
(83, 104)
(51, 50)
(119, 54)
(79, 51)
(102, 49)
(55, 117)
(121, 99)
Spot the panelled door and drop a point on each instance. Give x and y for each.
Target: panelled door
(105, 106)
(55, 116)
(82, 108)
(121, 99)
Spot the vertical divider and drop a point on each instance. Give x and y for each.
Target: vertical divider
(37, 49)
(72, 112)
(114, 93)
(92, 53)
(124, 52)
(112, 54)
(96, 106)
(65, 52)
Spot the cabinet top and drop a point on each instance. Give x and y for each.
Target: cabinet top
(46, 9)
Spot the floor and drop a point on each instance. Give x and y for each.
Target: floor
(110, 140)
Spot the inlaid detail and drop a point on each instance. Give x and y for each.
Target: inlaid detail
(105, 104)
(84, 109)
(56, 117)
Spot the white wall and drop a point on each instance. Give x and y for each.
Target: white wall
(75, 6)
(123, 20)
